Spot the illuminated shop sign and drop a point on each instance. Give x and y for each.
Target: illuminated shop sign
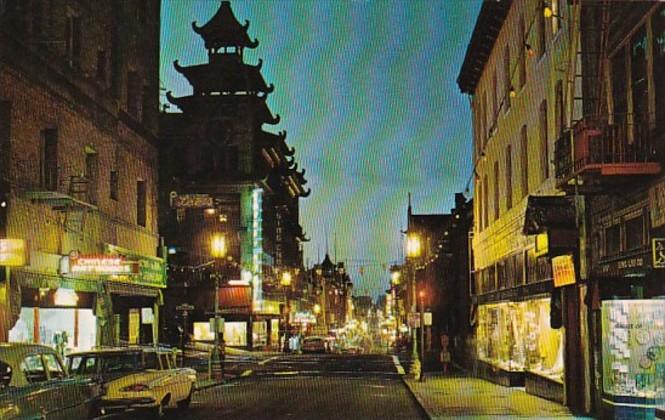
(12, 252)
(563, 270)
(65, 297)
(658, 251)
(109, 265)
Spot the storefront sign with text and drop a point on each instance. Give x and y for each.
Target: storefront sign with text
(658, 251)
(12, 252)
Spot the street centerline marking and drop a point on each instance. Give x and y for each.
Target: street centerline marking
(246, 373)
(288, 372)
(398, 366)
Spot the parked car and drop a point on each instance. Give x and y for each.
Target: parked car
(156, 385)
(35, 385)
(314, 344)
(106, 364)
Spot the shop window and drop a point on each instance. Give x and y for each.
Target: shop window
(542, 32)
(658, 27)
(141, 203)
(613, 240)
(509, 178)
(635, 233)
(49, 159)
(53, 366)
(73, 41)
(544, 146)
(33, 369)
(524, 166)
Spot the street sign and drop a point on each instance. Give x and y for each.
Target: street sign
(658, 251)
(427, 319)
(187, 307)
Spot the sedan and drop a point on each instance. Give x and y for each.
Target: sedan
(34, 384)
(314, 344)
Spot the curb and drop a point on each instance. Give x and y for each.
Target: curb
(418, 400)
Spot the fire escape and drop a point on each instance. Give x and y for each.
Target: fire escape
(607, 146)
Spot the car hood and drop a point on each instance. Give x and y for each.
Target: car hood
(151, 378)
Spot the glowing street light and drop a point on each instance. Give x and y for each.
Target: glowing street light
(317, 309)
(218, 246)
(286, 279)
(413, 246)
(395, 276)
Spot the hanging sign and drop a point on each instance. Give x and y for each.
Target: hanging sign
(657, 204)
(563, 270)
(658, 252)
(190, 201)
(12, 252)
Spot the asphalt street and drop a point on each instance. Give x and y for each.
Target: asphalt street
(307, 387)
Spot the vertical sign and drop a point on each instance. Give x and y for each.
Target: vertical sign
(658, 252)
(657, 204)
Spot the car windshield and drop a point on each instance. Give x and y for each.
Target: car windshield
(116, 363)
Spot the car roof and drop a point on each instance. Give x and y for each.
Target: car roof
(17, 351)
(116, 350)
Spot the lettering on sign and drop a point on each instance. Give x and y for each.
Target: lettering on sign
(658, 250)
(192, 201)
(102, 265)
(12, 252)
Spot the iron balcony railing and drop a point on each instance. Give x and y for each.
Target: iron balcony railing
(620, 147)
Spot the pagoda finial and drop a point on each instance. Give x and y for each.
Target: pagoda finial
(223, 30)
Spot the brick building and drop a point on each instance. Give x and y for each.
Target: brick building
(78, 114)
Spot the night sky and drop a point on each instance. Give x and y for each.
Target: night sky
(367, 94)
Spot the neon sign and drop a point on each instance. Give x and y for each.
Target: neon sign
(111, 265)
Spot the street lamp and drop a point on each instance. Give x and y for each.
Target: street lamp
(218, 252)
(413, 250)
(422, 335)
(285, 282)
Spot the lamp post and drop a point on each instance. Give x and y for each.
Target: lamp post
(218, 252)
(395, 275)
(413, 250)
(285, 282)
(422, 335)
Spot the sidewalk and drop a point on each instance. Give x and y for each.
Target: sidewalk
(459, 395)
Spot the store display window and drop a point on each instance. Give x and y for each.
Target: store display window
(544, 345)
(500, 335)
(235, 333)
(633, 334)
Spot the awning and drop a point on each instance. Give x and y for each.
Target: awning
(548, 212)
(127, 289)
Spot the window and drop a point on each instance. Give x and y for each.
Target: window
(619, 91)
(506, 77)
(522, 57)
(544, 145)
(115, 63)
(497, 194)
(113, 187)
(5, 375)
(495, 96)
(524, 142)
(556, 16)
(509, 178)
(486, 206)
(73, 41)
(613, 240)
(638, 82)
(658, 27)
(140, 203)
(635, 233)
(558, 110)
(33, 369)
(101, 66)
(74, 363)
(133, 94)
(542, 32)
(49, 159)
(92, 176)
(53, 366)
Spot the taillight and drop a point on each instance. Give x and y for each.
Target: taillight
(135, 388)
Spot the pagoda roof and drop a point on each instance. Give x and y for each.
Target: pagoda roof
(278, 141)
(194, 103)
(226, 73)
(224, 30)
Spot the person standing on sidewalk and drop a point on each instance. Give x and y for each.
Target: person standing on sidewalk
(444, 356)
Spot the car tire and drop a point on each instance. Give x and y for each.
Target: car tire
(184, 404)
(158, 412)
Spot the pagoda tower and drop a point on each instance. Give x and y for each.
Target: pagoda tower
(220, 171)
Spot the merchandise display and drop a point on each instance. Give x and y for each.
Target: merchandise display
(516, 336)
(634, 348)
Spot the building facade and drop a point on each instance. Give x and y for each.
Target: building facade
(79, 247)
(517, 71)
(224, 175)
(619, 143)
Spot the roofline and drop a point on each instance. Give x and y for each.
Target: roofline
(490, 20)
